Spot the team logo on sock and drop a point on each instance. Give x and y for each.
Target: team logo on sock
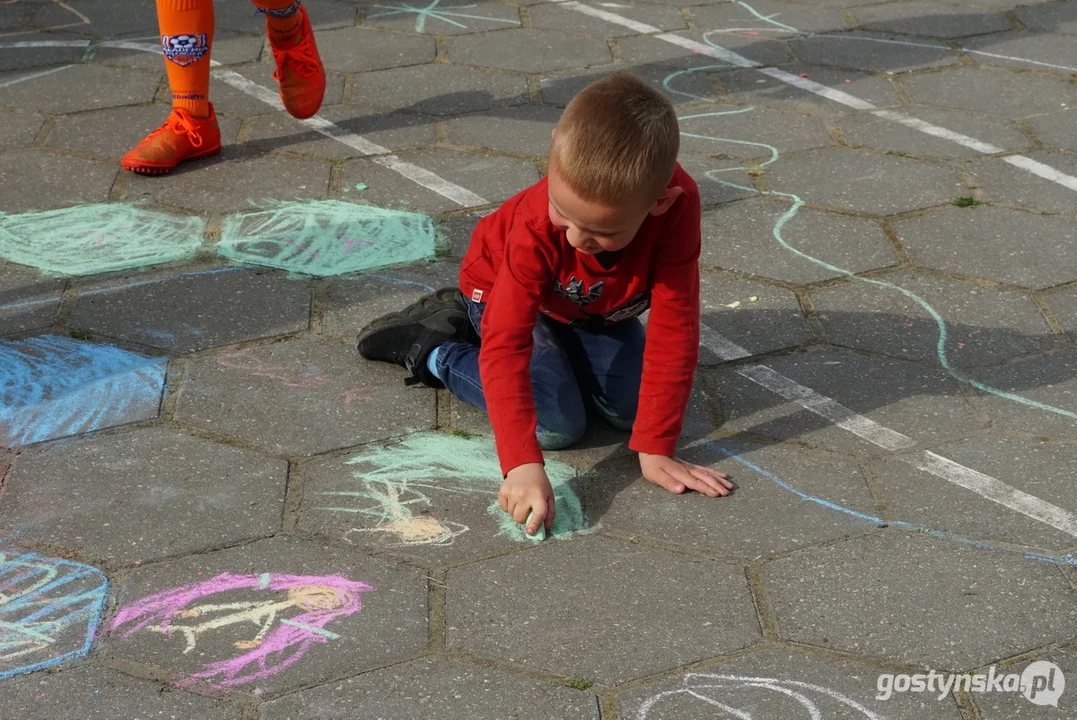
(185, 49)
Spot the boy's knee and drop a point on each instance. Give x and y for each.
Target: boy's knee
(564, 432)
(621, 416)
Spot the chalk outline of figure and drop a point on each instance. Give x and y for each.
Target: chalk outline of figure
(279, 643)
(48, 616)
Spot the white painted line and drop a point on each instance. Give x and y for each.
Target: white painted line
(939, 132)
(642, 28)
(838, 96)
(1044, 171)
(46, 43)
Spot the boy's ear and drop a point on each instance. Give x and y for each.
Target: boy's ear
(661, 205)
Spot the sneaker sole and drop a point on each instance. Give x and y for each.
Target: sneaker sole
(165, 169)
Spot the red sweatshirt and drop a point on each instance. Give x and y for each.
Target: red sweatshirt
(520, 264)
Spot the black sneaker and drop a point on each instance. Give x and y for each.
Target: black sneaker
(407, 338)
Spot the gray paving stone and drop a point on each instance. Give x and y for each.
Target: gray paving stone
(97, 693)
(20, 129)
(760, 318)
(755, 521)
(111, 133)
(1064, 307)
(650, 50)
(569, 627)
(867, 182)
(984, 326)
(1002, 182)
(455, 233)
(380, 50)
(1053, 17)
(993, 243)
(143, 495)
(229, 182)
(228, 48)
(528, 50)
(1000, 706)
(1049, 381)
(232, 102)
(923, 404)
(783, 20)
(19, 17)
(1045, 52)
(874, 596)
(741, 237)
(393, 131)
(107, 19)
(871, 52)
(436, 686)
(323, 613)
(17, 63)
(36, 180)
(1030, 465)
(437, 19)
(978, 89)
(778, 684)
(355, 300)
(523, 130)
(686, 85)
(750, 133)
(750, 87)
(494, 178)
(324, 14)
(196, 310)
(930, 20)
(440, 89)
(28, 301)
(1057, 130)
(557, 17)
(866, 130)
(82, 87)
(719, 181)
(311, 397)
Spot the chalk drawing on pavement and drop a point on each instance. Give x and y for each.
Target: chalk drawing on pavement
(75, 19)
(326, 237)
(49, 610)
(274, 620)
(435, 11)
(53, 386)
(391, 496)
(308, 377)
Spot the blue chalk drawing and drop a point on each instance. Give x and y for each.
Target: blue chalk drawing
(49, 610)
(326, 238)
(52, 386)
(100, 238)
(435, 11)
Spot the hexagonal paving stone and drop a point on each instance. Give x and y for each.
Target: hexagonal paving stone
(866, 182)
(1054, 17)
(778, 20)
(569, 627)
(523, 130)
(83, 87)
(268, 617)
(52, 607)
(749, 87)
(1056, 130)
(28, 301)
(196, 310)
(980, 88)
(105, 18)
(18, 64)
(983, 326)
(20, 129)
(53, 386)
(494, 178)
(324, 15)
(393, 131)
(924, 404)
(438, 19)
(932, 20)
(97, 693)
(38, 180)
(867, 130)
(719, 181)
(1042, 395)
(780, 684)
(437, 686)
(759, 318)
(871, 52)
(440, 89)
(1064, 307)
(1032, 466)
(920, 600)
(684, 85)
(741, 237)
(143, 495)
(381, 50)
(1016, 705)
(301, 397)
(99, 238)
(1002, 182)
(993, 243)
(430, 495)
(568, 20)
(756, 520)
(650, 50)
(528, 50)
(1043, 52)
(750, 133)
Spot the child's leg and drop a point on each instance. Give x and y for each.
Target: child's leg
(609, 365)
(299, 67)
(562, 417)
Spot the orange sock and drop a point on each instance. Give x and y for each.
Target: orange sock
(283, 21)
(186, 36)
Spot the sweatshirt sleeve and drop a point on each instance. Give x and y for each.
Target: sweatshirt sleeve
(505, 355)
(671, 351)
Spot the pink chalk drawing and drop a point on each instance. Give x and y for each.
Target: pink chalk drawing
(282, 639)
(306, 380)
(351, 395)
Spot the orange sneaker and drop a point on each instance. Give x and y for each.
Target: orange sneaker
(300, 73)
(182, 137)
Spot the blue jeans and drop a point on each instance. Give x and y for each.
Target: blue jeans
(569, 365)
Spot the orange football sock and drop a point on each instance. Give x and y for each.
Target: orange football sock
(283, 21)
(186, 36)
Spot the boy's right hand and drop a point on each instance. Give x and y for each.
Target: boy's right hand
(527, 491)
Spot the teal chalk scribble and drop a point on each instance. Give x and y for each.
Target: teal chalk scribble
(327, 237)
(100, 238)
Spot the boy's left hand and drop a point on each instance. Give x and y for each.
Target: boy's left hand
(676, 475)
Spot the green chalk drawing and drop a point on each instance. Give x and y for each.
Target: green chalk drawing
(393, 481)
(90, 239)
(326, 237)
(361, 186)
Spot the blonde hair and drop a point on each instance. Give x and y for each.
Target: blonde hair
(617, 141)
